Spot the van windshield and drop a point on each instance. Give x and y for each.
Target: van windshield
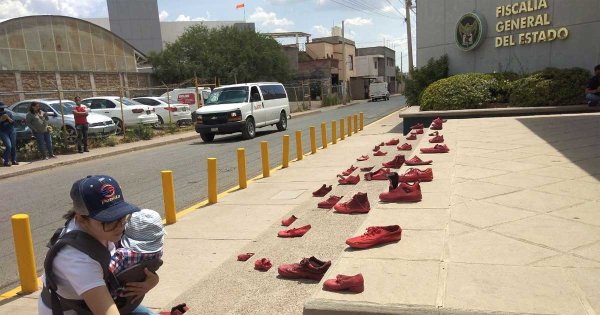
(230, 95)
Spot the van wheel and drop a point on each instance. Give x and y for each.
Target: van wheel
(282, 124)
(250, 129)
(207, 137)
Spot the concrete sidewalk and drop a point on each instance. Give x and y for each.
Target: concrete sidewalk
(510, 224)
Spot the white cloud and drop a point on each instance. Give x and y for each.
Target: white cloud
(358, 21)
(183, 18)
(268, 18)
(163, 15)
(350, 35)
(14, 8)
(322, 30)
(75, 8)
(388, 9)
(280, 30)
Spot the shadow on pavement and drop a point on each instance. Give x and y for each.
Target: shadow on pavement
(236, 137)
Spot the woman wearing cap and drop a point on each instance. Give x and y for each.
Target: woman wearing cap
(100, 211)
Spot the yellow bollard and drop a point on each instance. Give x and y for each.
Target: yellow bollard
(355, 123)
(264, 152)
(285, 157)
(212, 180)
(333, 131)
(349, 126)
(241, 156)
(324, 135)
(169, 196)
(299, 153)
(362, 120)
(313, 140)
(24, 252)
(342, 130)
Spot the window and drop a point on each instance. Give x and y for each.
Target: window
(229, 95)
(22, 108)
(149, 101)
(351, 62)
(253, 92)
(375, 62)
(271, 92)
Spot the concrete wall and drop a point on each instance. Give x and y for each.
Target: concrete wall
(436, 24)
(365, 66)
(137, 22)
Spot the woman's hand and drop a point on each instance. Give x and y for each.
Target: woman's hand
(138, 289)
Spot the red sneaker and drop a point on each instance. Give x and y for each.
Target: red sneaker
(381, 144)
(379, 153)
(330, 202)
(308, 268)
(376, 148)
(435, 133)
(354, 283)
(404, 147)
(439, 121)
(402, 193)
(321, 192)
(435, 126)
(412, 137)
(438, 148)
(415, 174)
(244, 257)
(263, 264)
(363, 158)
(297, 232)
(376, 235)
(417, 126)
(417, 161)
(437, 139)
(393, 142)
(395, 163)
(366, 168)
(417, 132)
(350, 180)
(380, 174)
(350, 170)
(288, 221)
(358, 204)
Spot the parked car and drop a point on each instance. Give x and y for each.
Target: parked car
(243, 107)
(134, 113)
(187, 96)
(99, 125)
(180, 113)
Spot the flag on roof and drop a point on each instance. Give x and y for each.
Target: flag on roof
(239, 5)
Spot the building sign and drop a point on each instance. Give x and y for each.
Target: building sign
(470, 31)
(517, 16)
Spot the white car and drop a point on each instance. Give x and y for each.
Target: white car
(180, 113)
(134, 113)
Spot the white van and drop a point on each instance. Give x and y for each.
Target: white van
(243, 108)
(187, 96)
(379, 90)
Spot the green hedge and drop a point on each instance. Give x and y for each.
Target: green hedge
(550, 87)
(435, 70)
(462, 91)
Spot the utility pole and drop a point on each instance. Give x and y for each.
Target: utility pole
(343, 65)
(409, 37)
(401, 63)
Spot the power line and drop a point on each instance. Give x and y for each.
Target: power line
(354, 7)
(388, 1)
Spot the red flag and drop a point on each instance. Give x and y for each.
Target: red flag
(239, 5)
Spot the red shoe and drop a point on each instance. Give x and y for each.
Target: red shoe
(417, 132)
(435, 133)
(354, 283)
(350, 170)
(376, 235)
(366, 168)
(418, 126)
(263, 264)
(415, 174)
(402, 192)
(288, 221)
(395, 163)
(363, 158)
(244, 257)
(176, 310)
(438, 148)
(435, 126)
(439, 121)
(381, 144)
(404, 147)
(437, 139)
(393, 142)
(308, 268)
(417, 161)
(412, 137)
(321, 192)
(380, 174)
(350, 180)
(297, 232)
(379, 153)
(358, 204)
(330, 202)
(376, 148)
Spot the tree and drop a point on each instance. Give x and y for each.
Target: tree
(229, 53)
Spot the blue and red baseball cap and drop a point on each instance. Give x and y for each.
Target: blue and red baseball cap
(100, 198)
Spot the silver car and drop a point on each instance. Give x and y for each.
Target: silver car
(99, 125)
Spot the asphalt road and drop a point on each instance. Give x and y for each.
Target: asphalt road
(45, 195)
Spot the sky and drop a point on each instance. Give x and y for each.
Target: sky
(367, 22)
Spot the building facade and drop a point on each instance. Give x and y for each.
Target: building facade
(519, 36)
(333, 48)
(377, 63)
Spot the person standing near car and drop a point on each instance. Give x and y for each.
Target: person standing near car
(37, 120)
(8, 135)
(81, 125)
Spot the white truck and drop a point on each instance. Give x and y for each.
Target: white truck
(379, 90)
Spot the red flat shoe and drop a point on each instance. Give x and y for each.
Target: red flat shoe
(297, 232)
(359, 203)
(393, 142)
(363, 158)
(417, 161)
(435, 126)
(350, 170)
(321, 192)
(380, 174)
(376, 148)
(415, 174)
(437, 139)
(366, 168)
(412, 137)
(308, 268)
(244, 257)
(404, 147)
(330, 202)
(350, 180)
(379, 153)
(288, 221)
(354, 283)
(263, 264)
(438, 148)
(376, 235)
(417, 132)
(395, 163)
